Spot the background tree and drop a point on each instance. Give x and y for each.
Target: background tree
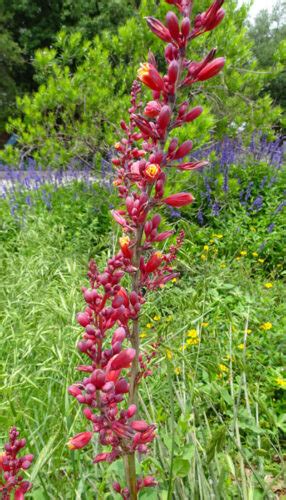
(268, 33)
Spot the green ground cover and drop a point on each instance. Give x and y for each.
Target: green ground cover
(218, 387)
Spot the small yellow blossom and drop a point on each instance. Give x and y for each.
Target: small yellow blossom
(237, 258)
(192, 341)
(223, 265)
(223, 368)
(248, 330)
(261, 261)
(281, 382)
(157, 317)
(211, 242)
(169, 318)
(143, 335)
(177, 370)
(204, 324)
(266, 326)
(169, 354)
(203, 256)
(243, 253)
(192, 333)
(268, 285)
(255, 254)
(174, 280)
(149, 325)
(219, 236)
(206, 248)
(240, 346)
(182, 347)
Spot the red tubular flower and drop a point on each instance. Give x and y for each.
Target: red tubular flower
(154, 262)
(192, 165)
(148, 75)
(152, 171)
(179, 199)
(164, 118)
(173, 71)
(124, 243)
(12, 483)
(159, 29)
(80, 440)
(211, 69)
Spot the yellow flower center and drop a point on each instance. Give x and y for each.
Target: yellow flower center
(143, 70)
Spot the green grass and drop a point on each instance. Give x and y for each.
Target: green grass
(217, 403)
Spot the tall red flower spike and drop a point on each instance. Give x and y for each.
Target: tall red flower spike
(11, 480)
(108, 392)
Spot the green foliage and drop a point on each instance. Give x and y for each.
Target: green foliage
(219, 376)
(71, 114)
(84, 88)
(268, 34)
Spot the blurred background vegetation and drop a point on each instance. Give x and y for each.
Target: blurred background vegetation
(66, 68)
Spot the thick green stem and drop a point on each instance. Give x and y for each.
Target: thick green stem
(130, 474)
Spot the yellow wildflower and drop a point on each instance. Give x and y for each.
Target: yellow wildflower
(243, 253)
(206, 248)
(204, 324)
(248, 330)
(237, 258)
(240, 346)
(268, 285)
(211, 242)
(192, 333)
(223, 368)
(266, 326)
(169, 354)
(157, 317)
(261, 261)
(203, 256)
(192, 341)
(281, 382)
(177, 370)
(255, 254)
(182, 347)
(149, 325)
(223, 265)
(174, 280)
(219, 236)
(143, 335)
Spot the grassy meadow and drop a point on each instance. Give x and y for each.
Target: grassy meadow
(217, 392)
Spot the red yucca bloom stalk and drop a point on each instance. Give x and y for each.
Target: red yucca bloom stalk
(11, 465)
(108, 392)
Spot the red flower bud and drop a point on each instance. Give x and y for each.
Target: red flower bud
(131, 411)
(80, 440)
(159, 29)
(179, 199)
(139, 425)
(123, 359)
(211, 69)
(192, 165)
(185, 27)
(164, 117)
(173, 25)
(152, 109)
(173, 70)
(183, 150)
(193, 114)
(83, 319)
